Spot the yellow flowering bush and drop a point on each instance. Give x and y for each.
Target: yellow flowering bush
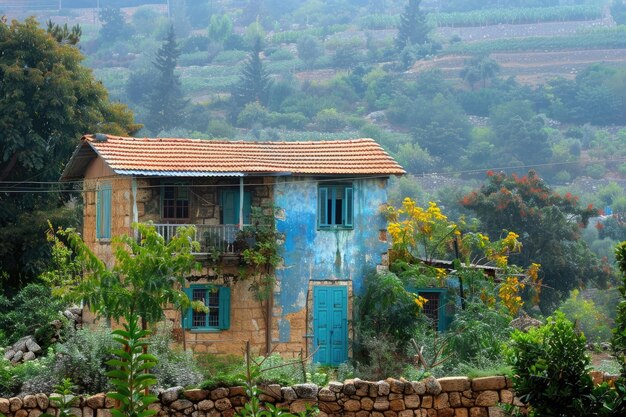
(423, 233)
(418, 232)
(509, 295)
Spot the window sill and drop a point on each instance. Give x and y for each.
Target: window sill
(104, 240)
(332, 228)
(205, 330)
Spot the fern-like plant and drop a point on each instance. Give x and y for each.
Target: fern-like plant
(63, 400)
(129, 376)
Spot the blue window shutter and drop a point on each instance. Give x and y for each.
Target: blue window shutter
(230, 207)
(322, 197)
(98, 213)
(224, 317)
(247, 206)
(103, 211)
(106, 221)
(347, 207)
(188, 316)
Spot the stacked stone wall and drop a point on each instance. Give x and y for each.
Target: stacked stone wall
(456, 396)
(444, 397)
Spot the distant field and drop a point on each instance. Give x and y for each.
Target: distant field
(506, 31)
(531, 67)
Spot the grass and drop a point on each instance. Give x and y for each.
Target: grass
(490, 371)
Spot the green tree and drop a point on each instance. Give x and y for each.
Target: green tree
(148, 275)
(413, 28)
(114, 26)
(549, 226)
(479, 68)
(309, 49)
(520, 133)
(48, 100)
(254, 82)
(220, 28)
(618, 11)
(167, 105)
(439, 125)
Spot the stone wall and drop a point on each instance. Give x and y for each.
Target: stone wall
(444, 397)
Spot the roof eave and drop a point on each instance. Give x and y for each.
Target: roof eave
(80, 159)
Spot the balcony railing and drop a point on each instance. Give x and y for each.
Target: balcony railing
(211, 237)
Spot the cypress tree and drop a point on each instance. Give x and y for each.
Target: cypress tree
(254, 82)
(166, 107)
(413, 29)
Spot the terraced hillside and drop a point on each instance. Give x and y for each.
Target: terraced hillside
(533, 59)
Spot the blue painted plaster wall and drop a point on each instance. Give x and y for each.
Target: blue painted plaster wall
(312, 254)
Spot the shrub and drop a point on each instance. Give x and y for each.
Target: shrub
(550, 368)
(220, 129)
(595, 171)
(478, 335)
(388, 316)
(619, 333)
(288, 120)
(174, 366)
(253, 114)
(329, 120)
(83, 357)
(28, 377)
(31, 308)
(592, 322)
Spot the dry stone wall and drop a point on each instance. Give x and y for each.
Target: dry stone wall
(444, 397)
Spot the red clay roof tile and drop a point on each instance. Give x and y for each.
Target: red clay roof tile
(340, 157)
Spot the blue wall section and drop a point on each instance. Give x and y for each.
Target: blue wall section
(312, 254)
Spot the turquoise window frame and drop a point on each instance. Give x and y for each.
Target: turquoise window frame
(223, 308)
(104, 196)
(328, 196)
(443, 319)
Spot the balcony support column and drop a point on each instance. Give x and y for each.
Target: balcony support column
(240, 203)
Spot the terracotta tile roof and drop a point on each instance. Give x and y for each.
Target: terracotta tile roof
(197, 157)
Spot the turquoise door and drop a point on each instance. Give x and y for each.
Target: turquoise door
(330, 324)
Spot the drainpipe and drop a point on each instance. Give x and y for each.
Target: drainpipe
(135, 211)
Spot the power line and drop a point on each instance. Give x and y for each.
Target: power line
(27, 183)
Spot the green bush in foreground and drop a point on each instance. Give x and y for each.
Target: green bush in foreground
(551, 367)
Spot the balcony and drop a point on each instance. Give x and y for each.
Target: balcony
(211, 237)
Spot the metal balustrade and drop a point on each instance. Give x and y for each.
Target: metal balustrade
(211, 237)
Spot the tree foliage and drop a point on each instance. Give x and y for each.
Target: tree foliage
(619, 333)
(48, 100)
(479, 69)
(254, 82)
(166, 107)
(551, 368)
(114, 26)
(148, 274)
(548, 224)
(413, 28)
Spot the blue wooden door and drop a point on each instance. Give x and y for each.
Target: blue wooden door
(330, 324)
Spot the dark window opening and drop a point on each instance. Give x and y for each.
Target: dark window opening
(175, 202)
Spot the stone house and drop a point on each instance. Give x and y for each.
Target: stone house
(328, 197)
